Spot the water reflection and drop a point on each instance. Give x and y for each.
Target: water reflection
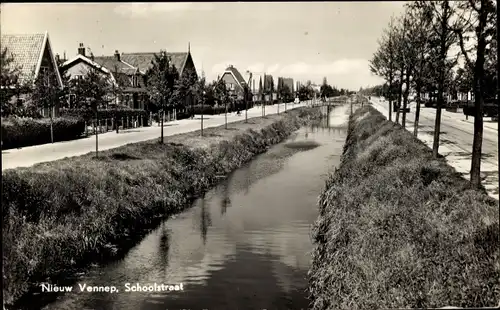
(226, 201)
(163, 248)
(205, 219)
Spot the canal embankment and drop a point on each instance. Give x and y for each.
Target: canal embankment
(399, 229)
(62, 215)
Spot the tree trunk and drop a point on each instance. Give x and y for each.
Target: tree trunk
(405, 99)
(475, 172)
(161, 125)
(417, 112)
(443, 52)
(96, 135)
(162, 119)
(51, 126)
(225, 114)
(390, 101)
(400, 94)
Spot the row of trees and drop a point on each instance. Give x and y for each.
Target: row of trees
(416, 52)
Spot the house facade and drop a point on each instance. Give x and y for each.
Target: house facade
(32, 58)
(78, 67)
(130, 80)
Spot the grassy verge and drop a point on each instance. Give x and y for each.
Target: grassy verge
(398, 229)
(59, 214)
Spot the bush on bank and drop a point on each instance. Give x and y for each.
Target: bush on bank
(58, 214)
(21, 132)
(398, 229)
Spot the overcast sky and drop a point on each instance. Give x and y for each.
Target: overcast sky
(298, 39)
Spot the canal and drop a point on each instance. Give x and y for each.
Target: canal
(245, 245)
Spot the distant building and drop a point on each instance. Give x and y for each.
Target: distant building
(32, 58)
(234, 81)
(289, 82)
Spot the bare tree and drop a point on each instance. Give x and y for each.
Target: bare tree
(418, 42)
(476, 16)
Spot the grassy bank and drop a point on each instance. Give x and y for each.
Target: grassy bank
(60, 214)
(398, 229)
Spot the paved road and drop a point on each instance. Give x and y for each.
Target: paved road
(28, 156)
(456, 140)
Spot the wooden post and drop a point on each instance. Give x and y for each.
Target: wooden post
(123, 124)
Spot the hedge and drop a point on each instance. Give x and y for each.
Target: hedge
(21, 132)
(89, 115)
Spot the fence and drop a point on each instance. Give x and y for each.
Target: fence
(111, 124)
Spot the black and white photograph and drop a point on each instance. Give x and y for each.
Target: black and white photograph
(297, 155)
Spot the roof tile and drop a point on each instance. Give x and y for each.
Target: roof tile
(26, 50)
(143, 60)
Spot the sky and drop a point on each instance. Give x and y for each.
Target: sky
(301, 40)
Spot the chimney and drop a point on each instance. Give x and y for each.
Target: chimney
(58, 59)
(117, 55)
(81, 49)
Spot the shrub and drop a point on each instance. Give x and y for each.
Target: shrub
(398, 229)
(21, 132)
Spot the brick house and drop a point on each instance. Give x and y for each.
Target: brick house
(129, 79)
(33, 58)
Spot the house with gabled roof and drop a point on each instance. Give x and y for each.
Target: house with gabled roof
(183, 62)
(122, 75)
(32, 57)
